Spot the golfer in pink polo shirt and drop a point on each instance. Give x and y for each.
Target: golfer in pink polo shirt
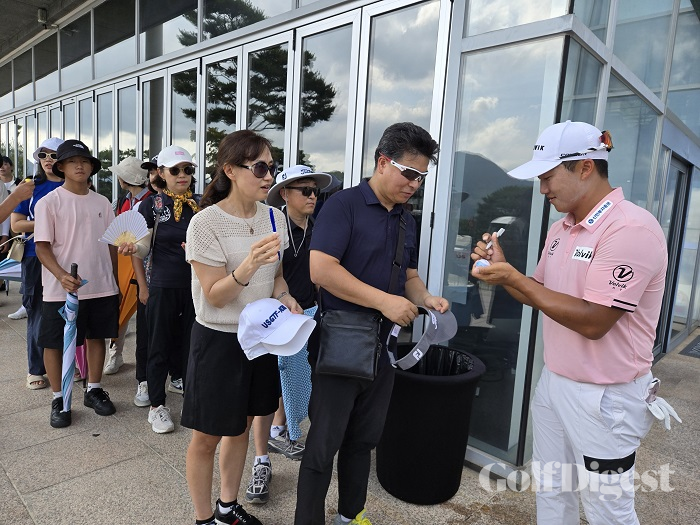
(599, 283)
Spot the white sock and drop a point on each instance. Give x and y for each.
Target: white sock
(261, 459)
(94, 385)
(276, 430)
(56, 395)
(226, 510)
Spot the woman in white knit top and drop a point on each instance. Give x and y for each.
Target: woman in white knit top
(235, 257)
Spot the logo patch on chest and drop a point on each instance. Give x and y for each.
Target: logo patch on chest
(583, 253)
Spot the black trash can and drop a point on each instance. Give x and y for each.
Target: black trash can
(420, 456)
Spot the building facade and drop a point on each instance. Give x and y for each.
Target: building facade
(322, 79)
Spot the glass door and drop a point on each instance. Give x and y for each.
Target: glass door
(152, 115)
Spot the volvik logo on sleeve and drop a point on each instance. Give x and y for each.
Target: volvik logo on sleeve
(552, 247)
(621, 274)
(583, 253)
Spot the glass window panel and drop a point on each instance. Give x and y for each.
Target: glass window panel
(688, 257)
(30, 122)
(166, 26)
(42, 127)
(184, 110)
(11, 140)
(581, 82)
(69, 130)
(507, 96)
(224, 16)
(46, 67)
(55, 114)
(632, 124)
(19, 161)
(76, 65)
(24, 90)
(105, 141)
(324, 100)
(85, 119)
(153, 117)
(126, 123)
(641, 38)
(267, 95)
(3, 138)
(594, 13)
(400, 85)
(115, 43)
(684, 85)
(221, 86)
(490, 15)
(6, 87)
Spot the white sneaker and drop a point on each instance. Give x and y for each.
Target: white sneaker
(176, 387)
(141, 398)
(114, 363)
(160, 421)
(19, 314)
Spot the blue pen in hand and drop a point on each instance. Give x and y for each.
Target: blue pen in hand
(274, 226)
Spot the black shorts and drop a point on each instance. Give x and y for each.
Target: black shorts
(97, 319)
(224, 387)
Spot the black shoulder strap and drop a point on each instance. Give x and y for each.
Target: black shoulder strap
(398, 258)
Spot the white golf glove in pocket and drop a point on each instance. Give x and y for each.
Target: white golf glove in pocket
(658, 405)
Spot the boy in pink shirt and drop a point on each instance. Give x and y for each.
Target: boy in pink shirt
(69, 222)
(600, 284)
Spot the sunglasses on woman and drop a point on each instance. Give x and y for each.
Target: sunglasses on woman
(306, 191)
(189, 170)
(45, 155)
(260, 169)
(411, 174)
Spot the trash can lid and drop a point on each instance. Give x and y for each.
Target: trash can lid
(442, 326)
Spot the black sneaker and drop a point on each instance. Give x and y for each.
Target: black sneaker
(59, 419)
(258, 490)
(98, 399)
(237, 515)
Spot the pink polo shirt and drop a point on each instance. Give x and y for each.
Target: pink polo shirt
(615, 257)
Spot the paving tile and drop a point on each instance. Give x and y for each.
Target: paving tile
(12, 509)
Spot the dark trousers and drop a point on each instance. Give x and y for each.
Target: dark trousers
(141, 342)
(347, 416)
(32, 293)
(170, 314)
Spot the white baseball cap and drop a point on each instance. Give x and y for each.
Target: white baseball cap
(174, 155)
(51, 144)
(266, 326)
(290, 175)
(563, 142)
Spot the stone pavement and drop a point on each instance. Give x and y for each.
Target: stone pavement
(115, 470)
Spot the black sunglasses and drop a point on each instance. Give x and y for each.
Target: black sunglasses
(260, 169)
(175, 171)
(306, 191)
(43, 155)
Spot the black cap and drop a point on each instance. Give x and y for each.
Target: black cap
(150, 165)
(74, 148)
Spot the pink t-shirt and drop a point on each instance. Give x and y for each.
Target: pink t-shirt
(73, 225)
(615, 257)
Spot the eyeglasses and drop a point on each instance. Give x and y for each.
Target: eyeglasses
(175, 171)
(44, 155)
(411, 174)
(260, 169)
(306, 191)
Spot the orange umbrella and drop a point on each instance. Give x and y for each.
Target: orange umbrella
(127, 287)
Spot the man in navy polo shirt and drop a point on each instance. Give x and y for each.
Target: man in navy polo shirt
(352, 252)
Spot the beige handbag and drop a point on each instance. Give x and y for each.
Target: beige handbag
(17, 249)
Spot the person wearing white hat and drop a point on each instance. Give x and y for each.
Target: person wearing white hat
(23, 222)
(600, 285)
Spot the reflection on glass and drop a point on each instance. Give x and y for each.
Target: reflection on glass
(324, 100)
(400, 85)
(183, 114)
(6, 87)
(3, 138)
(30, 123)
(19, 161)
(46, 67)
(69, 121)
(505, 100)
(490, 15)
(55, 114)
(153, 117)
(632, 124)
(126, 123)
(76, 66)
(104, 144)
(594, 13)
(641, 38)
(684, 85)
(166, 26)
(115, 43)
(85, 120)
(11, 139)
(221, 86)
(581, 82)
(42, 127)
(267, 95)
(224, 16)
(24, 90)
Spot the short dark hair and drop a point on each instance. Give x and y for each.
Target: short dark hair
(406, 137)
(601, 165)
(6, 160)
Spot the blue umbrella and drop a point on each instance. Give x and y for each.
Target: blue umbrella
(10, 270)
(69, 312)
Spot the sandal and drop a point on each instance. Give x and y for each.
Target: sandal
(36, 382)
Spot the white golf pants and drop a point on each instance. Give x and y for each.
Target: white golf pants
(581, 427)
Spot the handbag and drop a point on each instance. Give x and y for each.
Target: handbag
(16, 251)
(349, 342)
